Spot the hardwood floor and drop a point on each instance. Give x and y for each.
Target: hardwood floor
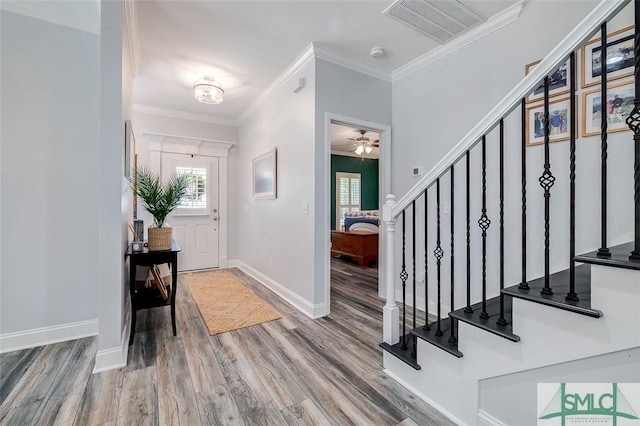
(293, 371)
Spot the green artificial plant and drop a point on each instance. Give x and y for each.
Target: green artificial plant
(159, 199)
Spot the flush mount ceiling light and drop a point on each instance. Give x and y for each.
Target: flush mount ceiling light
(208, 91)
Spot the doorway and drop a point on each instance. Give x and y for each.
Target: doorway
(379, 139)
(195, 221)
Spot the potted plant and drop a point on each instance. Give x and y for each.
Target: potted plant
(159, 199)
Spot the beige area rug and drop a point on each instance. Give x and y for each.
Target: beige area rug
(225, 304)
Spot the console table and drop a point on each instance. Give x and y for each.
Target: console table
(150, 298)
(361, 246)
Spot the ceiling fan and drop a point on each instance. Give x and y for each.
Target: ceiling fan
(364, 144)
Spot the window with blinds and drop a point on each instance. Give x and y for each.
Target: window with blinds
(196, 196)
(347, 195)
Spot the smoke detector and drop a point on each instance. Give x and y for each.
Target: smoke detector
(377, 52)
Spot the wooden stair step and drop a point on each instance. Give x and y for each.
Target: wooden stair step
(405, 355)
(442, 342)
(489, 324)
(559, 283)
(619, 257)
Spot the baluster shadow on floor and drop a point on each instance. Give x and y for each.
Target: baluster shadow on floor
(290, 371)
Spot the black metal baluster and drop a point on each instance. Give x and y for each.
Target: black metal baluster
(546, 182)
(403, 277)
(484, 224)
(524, 285)
(572, 295)
(426, 268)
(468, 308)
(502, 321)
(633, 121)
(603, 251)
(438, 252)
(452, 337)
(413, 261)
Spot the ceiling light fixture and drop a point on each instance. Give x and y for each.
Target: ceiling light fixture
(364, 144)
(208, 91)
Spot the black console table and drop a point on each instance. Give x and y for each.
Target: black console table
(143, 298)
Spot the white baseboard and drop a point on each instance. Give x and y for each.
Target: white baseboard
(116, 357)
(301, 304)
(425, 398)
(47, 335)
(486, 419)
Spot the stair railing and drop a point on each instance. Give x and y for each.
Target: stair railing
(406, 205)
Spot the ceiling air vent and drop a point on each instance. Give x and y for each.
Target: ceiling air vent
(440, 20)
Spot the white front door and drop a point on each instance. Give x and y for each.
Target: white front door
(195, 220)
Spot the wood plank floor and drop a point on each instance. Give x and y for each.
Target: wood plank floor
(293, 371)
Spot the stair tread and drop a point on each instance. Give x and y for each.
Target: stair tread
(559, 283)
(403, 355)
(619, 257)
(441, 342)
(489, 324)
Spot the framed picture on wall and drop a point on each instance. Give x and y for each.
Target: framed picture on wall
(559, 114)
(265, 176)
(559, 81)
(619, 57)
(620, 98)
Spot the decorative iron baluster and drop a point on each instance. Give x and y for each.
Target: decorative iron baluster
(413, 261)
(546, 182)
(484, 224)
(403, 277)
(426, 267)
(524, 285)
(603, 251)
(452, 337)
(572, 295)
(468, 309)
(633, 121)
(502, 321)
(438, 252)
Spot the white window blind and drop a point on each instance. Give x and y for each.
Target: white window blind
(196, 196)
(347, 195)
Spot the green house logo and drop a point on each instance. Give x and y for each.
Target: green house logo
(587, 403)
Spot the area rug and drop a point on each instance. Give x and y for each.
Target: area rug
(225, 304)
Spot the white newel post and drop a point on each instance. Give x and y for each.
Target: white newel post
(390, 312)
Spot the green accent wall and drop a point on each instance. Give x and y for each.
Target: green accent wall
(368, 170)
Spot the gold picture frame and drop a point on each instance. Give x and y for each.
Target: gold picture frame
(559, 113)
(616, 114)
(559, 82)
(620, 48)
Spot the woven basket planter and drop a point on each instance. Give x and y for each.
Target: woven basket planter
(160, 238)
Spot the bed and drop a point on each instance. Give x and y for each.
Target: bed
(359, 240)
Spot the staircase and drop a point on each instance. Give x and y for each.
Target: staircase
(518, 296)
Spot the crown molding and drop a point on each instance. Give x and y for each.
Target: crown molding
(83, 19)
(494, 23)
(322, 52)
(303, 59)
(174, 113)
(131, 23)
(313, 51)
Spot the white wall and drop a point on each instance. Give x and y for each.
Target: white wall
(114, 205)
(278, 229)
(50, 174)
(435, 107)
